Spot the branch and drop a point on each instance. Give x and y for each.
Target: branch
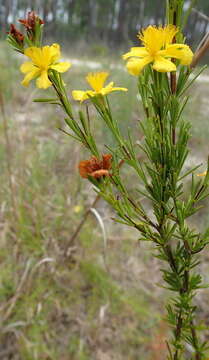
(201, 51)
(203, 16)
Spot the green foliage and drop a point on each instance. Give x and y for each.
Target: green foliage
(165, 147)
(59, 308)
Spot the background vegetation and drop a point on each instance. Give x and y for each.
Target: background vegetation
(94, 302)
(111, 23)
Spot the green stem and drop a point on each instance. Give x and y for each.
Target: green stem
(178, 333)
(195, 341)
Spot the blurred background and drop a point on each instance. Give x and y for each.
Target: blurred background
(108, 23)
(105, 299)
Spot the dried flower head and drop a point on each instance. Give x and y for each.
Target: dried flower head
(95, 167)
(16, 34)
(31, 20)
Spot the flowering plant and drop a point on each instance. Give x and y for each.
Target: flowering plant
(162, 67)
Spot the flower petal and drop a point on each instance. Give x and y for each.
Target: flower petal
(109, 88)
(169, 31)
(46, 56)
(55, 52)
(61, 67)
(80, 95)
(106, 89)
(35, 54)
(179, 51)
(99, 173)
(106, 161)
(84, 168)
(43, 81)
(119, 89)
(30, 75)
(97, 80)
(27, 67)
(152, 38)
(135, 66)
(163, 65)
(136, 51)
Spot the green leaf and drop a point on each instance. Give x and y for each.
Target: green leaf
(45, 100)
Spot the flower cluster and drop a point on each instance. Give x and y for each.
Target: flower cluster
(159, 50)
(30, 22)
(32, 25)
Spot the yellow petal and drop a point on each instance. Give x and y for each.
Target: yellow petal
(106, 89)
(43, 81)
(163, 65)
(109, 88)
(152, 38)
(80, 95)
(55, 52)
(30, 51)
(35, 54)
(61, 67)
(169, 32)
(179, 51)
(135, 66)
(50, 54)
(97, 80)
(119, 89)
(136, 51)
(30, 75)
(27, 67)
(46, 56)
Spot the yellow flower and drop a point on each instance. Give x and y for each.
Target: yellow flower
(158, 50)
(43, 59)
(96, 81)
(77, 209)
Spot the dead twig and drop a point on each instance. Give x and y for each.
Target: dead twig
(80, 225)
(203, 16)
(201, 50)
(18, 292)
